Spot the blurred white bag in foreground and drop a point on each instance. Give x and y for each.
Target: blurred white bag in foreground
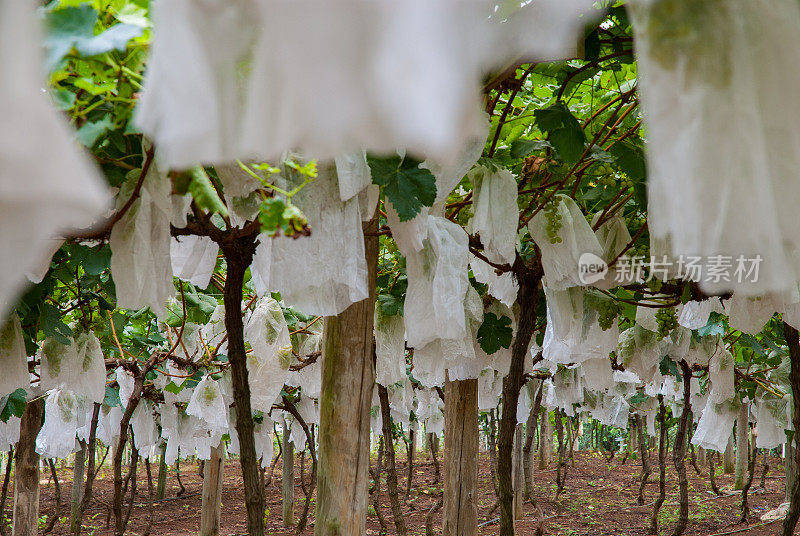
(253, 79)
(713, 191)
(46, 185)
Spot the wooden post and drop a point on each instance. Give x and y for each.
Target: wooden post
(701, 457)
(348, 377)
(161, 486)
(727, 457)
(26, 474)
(742, 427)
(545, 441)
(211, 508)
(460, 516)
(77, 488)
(287, 480)
(517, 472)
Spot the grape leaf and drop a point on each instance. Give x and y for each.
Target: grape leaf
(73, 27)
(204, 192)
(668, 367)
(495, 333)
(566, 134)
(406, 185)
(13, 405)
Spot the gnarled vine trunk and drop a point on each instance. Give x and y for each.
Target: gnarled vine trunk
(238, 255)
(793, 342)
(679, 452)
(528, 298)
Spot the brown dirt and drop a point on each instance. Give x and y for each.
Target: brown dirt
(600, 499)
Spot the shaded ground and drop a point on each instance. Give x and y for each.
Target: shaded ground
(600, 499)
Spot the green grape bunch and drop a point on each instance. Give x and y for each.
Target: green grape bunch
(667, 320)
(608, 311)
(554, 223)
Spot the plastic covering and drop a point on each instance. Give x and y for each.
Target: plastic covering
(64, 413)
(721, 374)
(324, 273)
(140, 245)
(429, 410)
(89, 371)
(567, 389)
(13, 357)
(401, 401)
(750, 313)
(194, 259)
(597, 374)
(614, 237)
(503, 287)
(309, 378)
(770, 423)
(573, 334)
(490, 385)
(145, 430)
(390, 349)
(236, 182)
(9, 433)
(126, 384)
(208, 405)
(262, 433)
(716, 424)
(694, 314)
(639, 351)
(108, 423)
(437, 285)
(696, 62)
(58, 364)
(495, 212)
(192, 102)
(363, 59)
(353, 173)
(409, 235)
(214, 330)
(184, 433)
(561, 260)
(46, 185)
(268, 363)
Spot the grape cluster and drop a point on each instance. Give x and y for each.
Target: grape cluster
(667, 320)
(554, 224)
(608, 312)
(605, 174)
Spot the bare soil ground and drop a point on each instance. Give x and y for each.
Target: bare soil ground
(600, 499)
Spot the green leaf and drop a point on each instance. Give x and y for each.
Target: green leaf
(52, 326)
(13, 404)
(91, 131)
(522, 148)
(63, 99)
(495, 333)
(714, 326)
(73, 28)
(630, 159)
(569, 143)
(639, 398)
(406, 185)
(566, 134)
(204, 192)
(112, 397)
(174, 388)
(390, 305)
(668, 367)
